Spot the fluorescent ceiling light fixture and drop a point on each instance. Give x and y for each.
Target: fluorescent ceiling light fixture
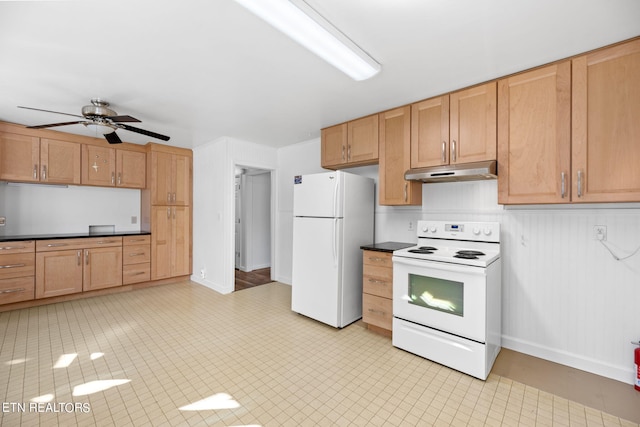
(303, 24)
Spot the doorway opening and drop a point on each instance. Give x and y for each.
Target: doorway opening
(253, 227)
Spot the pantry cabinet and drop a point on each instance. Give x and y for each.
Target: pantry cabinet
(170, 179)
(395, 159)
(534, 136)
(354, 143)
(455, 128)
(170, 242)
(605, 120)
(27, 158)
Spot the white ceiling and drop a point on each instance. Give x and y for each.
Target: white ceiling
(198, 70)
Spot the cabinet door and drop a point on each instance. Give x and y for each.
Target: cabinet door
(59, 162)
(161, 183)
(181, 241)
(362, 140)
(430, 132)
(19, 157)
(98, 165)
(161, 242)
(334, 146)
(58, 273)
(102, 268)
(473, 124)
(606, 125)
(131, 169)
(181, 182)
(534, 131)
(395, 147)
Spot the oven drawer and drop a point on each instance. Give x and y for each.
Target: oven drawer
(382, 259)
(377, 311)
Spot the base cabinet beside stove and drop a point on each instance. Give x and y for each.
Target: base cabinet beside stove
(377, 288)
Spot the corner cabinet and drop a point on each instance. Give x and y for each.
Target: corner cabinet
(166, 210)
(395, 159)
(354, 143)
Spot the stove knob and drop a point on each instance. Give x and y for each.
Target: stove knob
(487, 231)
(433, 229)
(425, 229)
(476, 231)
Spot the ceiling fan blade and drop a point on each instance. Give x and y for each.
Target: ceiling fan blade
(49, 111)
(54, 125)
(113, 138)
(120, 119)
(144, 132)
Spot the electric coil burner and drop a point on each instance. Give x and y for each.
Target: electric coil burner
(446, 295)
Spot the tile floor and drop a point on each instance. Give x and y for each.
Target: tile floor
(184, 355)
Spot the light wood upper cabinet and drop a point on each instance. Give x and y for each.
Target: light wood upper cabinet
(334, 146)
(395, 149)
(606, 125)
(455, 128)
(98, 165)
(354, 143)
(534, 131)
(170, 179)
(430, 132)
(131, 169)
(26, 158)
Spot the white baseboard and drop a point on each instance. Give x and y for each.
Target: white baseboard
(284, 279)
(212, 285)
(598, 367)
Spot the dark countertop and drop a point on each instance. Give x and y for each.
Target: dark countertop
(23, 237)
(386, 246)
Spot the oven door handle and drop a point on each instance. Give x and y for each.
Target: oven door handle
(441, 266)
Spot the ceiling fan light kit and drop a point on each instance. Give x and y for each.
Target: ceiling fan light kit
(102, 119)
(302, 23)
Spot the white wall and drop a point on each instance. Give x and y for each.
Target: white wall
(214, 206)
(256, 221)
(565, 298)
(47, 209)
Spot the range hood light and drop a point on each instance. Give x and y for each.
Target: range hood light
(452, 173)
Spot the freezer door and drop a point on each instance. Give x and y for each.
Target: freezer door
(318, 195)
(317, 263)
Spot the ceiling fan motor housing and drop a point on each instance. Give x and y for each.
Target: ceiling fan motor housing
(98, 108)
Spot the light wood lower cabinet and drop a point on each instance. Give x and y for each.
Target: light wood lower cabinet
(170, 241)
(17, 269)
(377, 288)
(136, 259)
(67, 266)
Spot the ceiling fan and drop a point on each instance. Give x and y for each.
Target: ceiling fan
(104, 118)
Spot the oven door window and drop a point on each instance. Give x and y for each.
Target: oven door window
(437, 294)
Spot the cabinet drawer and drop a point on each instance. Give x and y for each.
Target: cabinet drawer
(377, 258)
(385, 273)
(17, 247)
(380, 286)
(377, 311)
(136, 240)
(17, 265)
(136, 273)
(83, 243)
(136, 254)
(17, 289)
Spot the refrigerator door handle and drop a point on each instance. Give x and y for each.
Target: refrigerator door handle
(335, 242)
(335, 198)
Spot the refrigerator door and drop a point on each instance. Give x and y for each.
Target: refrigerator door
(317, 265)
(318, 195)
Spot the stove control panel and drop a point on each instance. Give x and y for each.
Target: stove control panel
(474, 231)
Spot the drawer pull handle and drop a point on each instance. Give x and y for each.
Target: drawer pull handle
(371, 310)
(376, 259)
(139, 273)
(55, 245)
(8, 248)
(102, 242)
(12, 291)
(378, 281)
(137, 254)
(12, 265)
(137, 240)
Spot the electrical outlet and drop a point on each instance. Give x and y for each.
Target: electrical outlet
(600, 232)
(134, 220)
(3, 221)
(410, 228)
(203, 273)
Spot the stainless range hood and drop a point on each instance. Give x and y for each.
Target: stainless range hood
(450, 173)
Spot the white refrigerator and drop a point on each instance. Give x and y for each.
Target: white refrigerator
(333, 216)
